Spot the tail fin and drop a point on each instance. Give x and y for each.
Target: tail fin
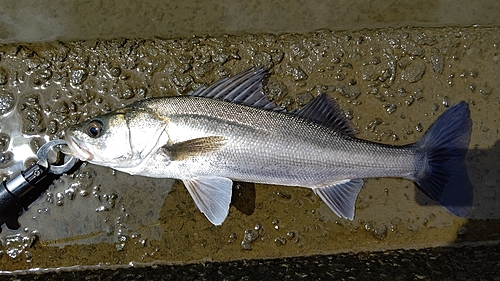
(441, 171)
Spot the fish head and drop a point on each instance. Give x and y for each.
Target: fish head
(119, 139)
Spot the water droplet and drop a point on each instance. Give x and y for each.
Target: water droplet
(59, 196)
(368, 226)
(70, 193)
(78, 77)
(462, 230)
(297, 73)
(7, 102)
(4, 141)
(410, 100)
(28, 256)
(390, 107)
(263, 59)
(304, 98)
(101, 209)
(419, 127)
(373, 124)
(485, 91)
(16, 245)
(275, 90)
(6, 159)
(246, 245)
(250, 235)
(122, 238)
(445, 101)
(120, 246)
(40, 77)
(275, 223)
(3, 76)
(351, 92)
(280, 241)
(115, 71)
(86, 178)
(380, 232)
(30, 161)
(35, 143)
(83, 193)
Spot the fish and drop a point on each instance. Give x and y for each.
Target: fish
(230, 131)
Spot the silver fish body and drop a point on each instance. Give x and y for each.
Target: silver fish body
(230, 132)
(268, 146)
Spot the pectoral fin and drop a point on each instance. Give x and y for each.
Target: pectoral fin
(212, 195)
(341, 196)
(192, 148)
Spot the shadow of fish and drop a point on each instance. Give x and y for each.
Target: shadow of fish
(231, 132)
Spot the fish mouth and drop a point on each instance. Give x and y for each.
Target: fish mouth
(78, 148)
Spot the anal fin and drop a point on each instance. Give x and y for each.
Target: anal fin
(341, 196)
(212, 195)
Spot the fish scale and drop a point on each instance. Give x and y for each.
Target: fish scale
(313, 148)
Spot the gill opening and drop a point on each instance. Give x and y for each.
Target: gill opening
(129, 133)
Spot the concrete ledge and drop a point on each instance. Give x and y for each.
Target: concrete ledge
(443, 263)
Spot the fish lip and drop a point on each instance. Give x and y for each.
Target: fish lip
(78, 148)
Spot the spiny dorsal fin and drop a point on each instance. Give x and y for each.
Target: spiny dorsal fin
(326, 112)
(244, 88)
(190, 148)
(341, 196)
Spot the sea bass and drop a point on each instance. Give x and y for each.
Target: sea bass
(231, 132)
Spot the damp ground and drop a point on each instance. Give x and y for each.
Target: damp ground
(391, 83)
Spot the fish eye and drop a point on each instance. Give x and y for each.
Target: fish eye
(94, 128)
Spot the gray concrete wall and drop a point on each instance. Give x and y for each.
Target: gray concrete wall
(34, 21)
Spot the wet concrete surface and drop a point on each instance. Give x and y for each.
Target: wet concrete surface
(392, 84)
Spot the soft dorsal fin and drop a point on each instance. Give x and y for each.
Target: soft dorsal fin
(326, 112)
(244, 88)
(341, 196)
